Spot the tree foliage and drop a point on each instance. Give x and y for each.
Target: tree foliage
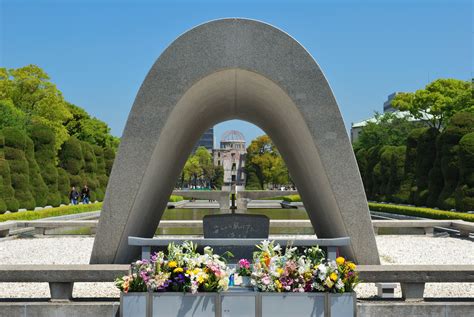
(438, 101)
(199, 170)
(265, 163)
(464, 195)
(40, 130)
(433, 169)
(386, 129)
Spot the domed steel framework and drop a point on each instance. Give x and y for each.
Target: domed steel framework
(232, 136)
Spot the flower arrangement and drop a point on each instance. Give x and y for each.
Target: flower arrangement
(181, 269)
(243, 267)
(336, 276)
(275, 270)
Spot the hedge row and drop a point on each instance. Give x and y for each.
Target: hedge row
(433, 169)
(175, 198)
(51, 212)
(33, 174)
(407, 210)
(61, 211)
(291, 198)
(421, 212)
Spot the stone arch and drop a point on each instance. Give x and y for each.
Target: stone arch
(234, 69)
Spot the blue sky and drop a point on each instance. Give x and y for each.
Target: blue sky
(98, 52)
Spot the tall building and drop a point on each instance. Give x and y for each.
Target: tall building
(387, 105)
(231, 156)
(206, 140)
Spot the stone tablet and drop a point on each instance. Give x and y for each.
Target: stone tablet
(236, 226)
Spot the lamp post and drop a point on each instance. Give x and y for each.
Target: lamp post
(233, 192)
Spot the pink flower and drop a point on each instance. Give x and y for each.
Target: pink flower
(266, 280)
(244, 263)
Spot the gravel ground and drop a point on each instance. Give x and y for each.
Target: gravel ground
(393, 249)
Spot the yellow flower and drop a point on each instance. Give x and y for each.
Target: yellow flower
(196, 271)
(172, 264)
(278, 284)
(333, 276)
(280, 271)
(328, 282)
(178, 270)
(200, 279)
(351, 266)
(188, 272)
(340, 260)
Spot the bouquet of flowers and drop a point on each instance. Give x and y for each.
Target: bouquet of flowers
(243, 267)
(288, 271)
(335, 276)
(292, 270)
(136, 280)
(181, 269)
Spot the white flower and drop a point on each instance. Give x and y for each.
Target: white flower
(208, 250)
(339, 284)
(265, 244)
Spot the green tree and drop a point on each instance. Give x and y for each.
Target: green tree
(7, 193)
(15, 147)
(192, 170)
(438, 102)
(31, 92)
(10, 116)
(460, 125)
(37, 186)
(386, 129)
(44, 141)
(265, 162)
(89, 129)
(206, 165)
(89, 173)
(425, 158)
(72, 160)
(64, 185)
(395, 189)
(218, 177)
(465, 189)
(373, 158)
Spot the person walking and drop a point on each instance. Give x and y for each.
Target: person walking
(73, 196)
(85, 193)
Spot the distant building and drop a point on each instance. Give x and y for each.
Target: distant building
(387, 105)
(206, 140)
(231, 156)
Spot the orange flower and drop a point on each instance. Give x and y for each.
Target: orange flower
(267, 260)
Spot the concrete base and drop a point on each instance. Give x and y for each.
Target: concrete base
(60, 290)
(60, 309)
(110, 308)
(4, 232)
(386, 290)
(419, 309)
(464, 233)
(413, 291)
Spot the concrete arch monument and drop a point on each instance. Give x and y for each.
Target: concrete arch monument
(234, 69)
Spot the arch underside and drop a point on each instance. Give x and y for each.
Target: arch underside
(234, 69)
